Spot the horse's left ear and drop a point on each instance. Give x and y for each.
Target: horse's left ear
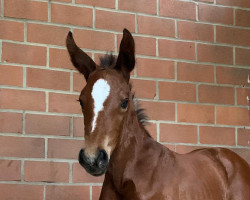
(126, 58)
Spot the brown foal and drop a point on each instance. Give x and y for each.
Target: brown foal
(136, 167)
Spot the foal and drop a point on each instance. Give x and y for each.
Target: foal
(136, 167)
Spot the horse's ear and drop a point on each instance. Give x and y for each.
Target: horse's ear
(126, 58)
(82, 62)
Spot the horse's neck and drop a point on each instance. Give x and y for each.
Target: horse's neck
(134, 143)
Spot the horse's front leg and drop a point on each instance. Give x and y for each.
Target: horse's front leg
(108, 191)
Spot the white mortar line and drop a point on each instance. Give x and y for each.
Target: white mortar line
(176, 29)
(116, 4)
(71, 127)
(49, 11)
(25, 32)
(234, 56)
(47, 101)
(42, 136)
(176, 112)
(51, 184)
(24, 122)
(214, 34)
(2, 8)
(197, 11)
(158, 132)
(136, 23)
(236, 137)
(198, 134)
(44, 192)
(157, 7)
(90, 193)
(94, 15)
(22, 171)
(45, 148)
(234, 16)
(1, 49)
(157, 47)
(71, 82)
(70, 172)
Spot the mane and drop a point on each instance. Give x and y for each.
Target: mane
(108, 61)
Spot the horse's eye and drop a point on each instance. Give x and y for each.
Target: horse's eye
(124, 104)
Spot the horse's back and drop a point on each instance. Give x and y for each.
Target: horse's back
(237, 171)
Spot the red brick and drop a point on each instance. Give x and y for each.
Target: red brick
(64, 148)
(11, 122)
(244, 137)
(66, 1)
(79, 82)
(64, 103)
(22, 100)
(178, 9)
(141, 6)
(215, 54)
(240, 3)
(175, 133)
(208, 1)
(143, 45)
(94, 40)
(155, 68)
(152, 129)
(217, 135)
(195, 31)
(26, 9)
(216, 94)
(11, 75)
(230, 35)
(78, 128)
(47, 34)
(20, 192)
(159, 110)
(195, 72)
(47, 125)
(21, 147)
(242, 56)
(215, 14)
(112, 20)
(71, 15)
(39, 171)
(67, 192)
(96, 192)
(232, 116)
(11, 30)
(195, 113)
(177, 91)
(103, 3)
(242, 18)
(81, 176)
(50, 79)
(24, 54)
(176, 49)
(170, 146)
(59, 58)
(234, 76)
(10, 170)
(156, 26)
(183, 149)
(143, 88)
(243, 96)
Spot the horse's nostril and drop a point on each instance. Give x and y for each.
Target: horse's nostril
(102, 159)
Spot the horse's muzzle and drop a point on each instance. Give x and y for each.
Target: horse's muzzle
(96, 166)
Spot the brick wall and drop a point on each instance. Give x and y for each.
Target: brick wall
(192, 76)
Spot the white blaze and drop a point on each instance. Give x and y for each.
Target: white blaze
(99, 93)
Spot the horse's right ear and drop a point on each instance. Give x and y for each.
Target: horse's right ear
(82, 62)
